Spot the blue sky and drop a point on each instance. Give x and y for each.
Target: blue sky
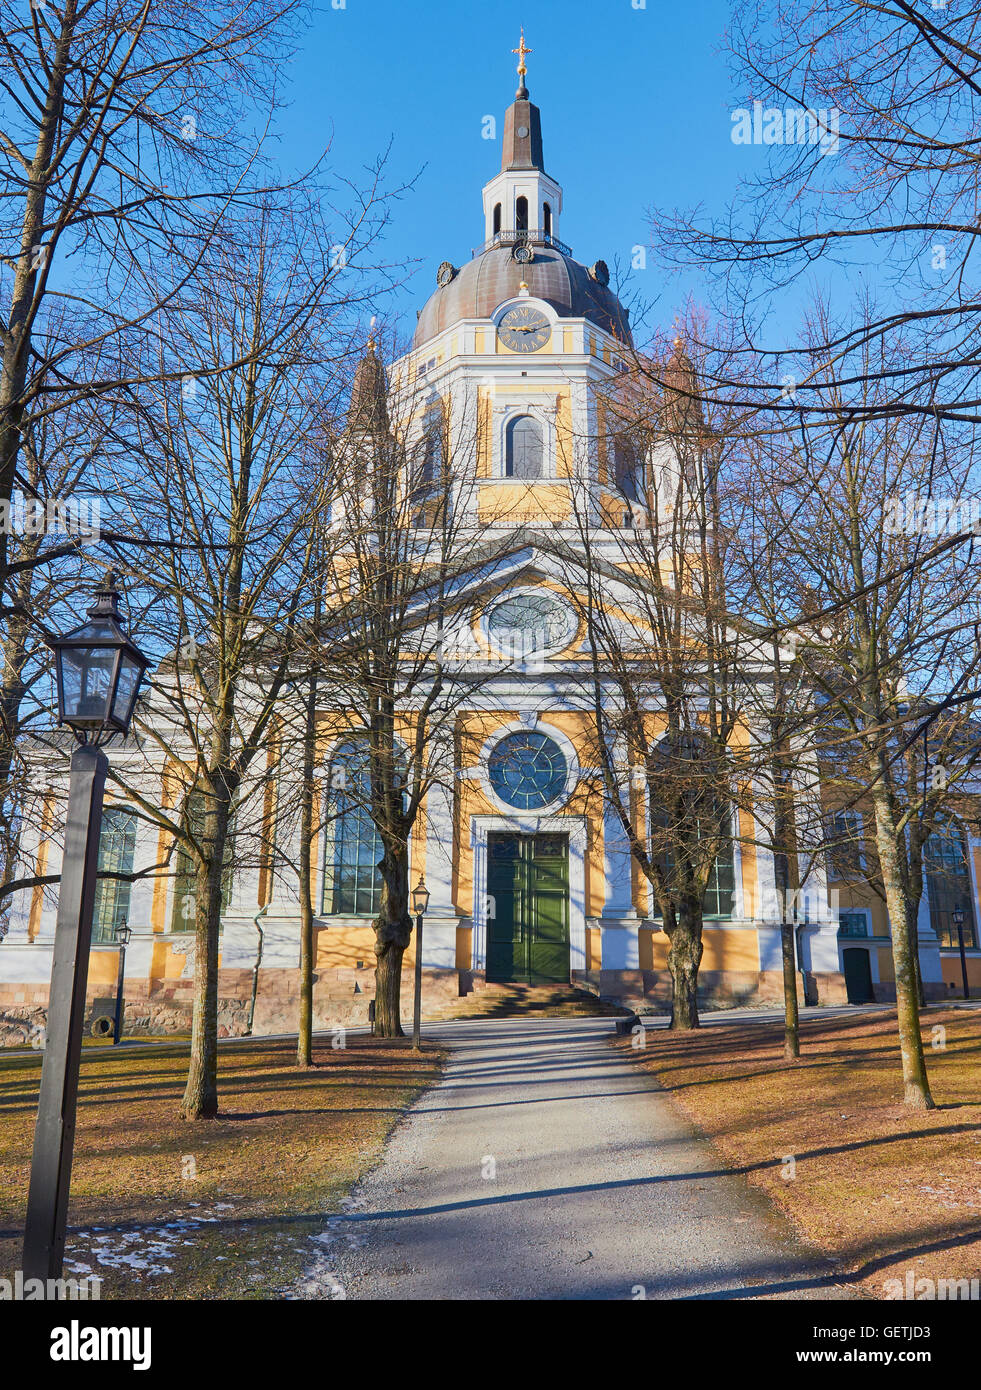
(635, 108)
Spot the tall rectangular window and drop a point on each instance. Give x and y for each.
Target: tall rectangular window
(352, 883)
(186, 884)
(949, 887)
(117, 847)
(846, 852)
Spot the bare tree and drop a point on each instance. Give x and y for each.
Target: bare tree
(226, 469)
(127, 127)
(891, 650)
(868, 115)
(669, 664)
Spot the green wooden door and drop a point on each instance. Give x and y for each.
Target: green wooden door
(528, 909)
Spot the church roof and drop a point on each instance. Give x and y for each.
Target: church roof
(494, 276)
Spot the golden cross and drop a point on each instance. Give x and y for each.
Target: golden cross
(522, 53)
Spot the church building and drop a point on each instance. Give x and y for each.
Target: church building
(520, 348)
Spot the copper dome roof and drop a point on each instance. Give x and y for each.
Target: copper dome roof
(495, 276)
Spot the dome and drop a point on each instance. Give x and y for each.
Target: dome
(495, 276)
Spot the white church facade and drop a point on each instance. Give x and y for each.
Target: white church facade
(529, 874)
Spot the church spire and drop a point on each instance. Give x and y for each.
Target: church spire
(522, 124)
(522, 52)
(522, 204)
(368, 409)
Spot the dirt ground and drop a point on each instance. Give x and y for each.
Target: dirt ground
(227, 1208)
(892, 1194)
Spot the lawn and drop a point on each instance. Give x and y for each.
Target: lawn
(228, 1208)
(885, 1191)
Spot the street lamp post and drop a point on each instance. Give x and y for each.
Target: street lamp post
(99, 670)
(957, 917)
(420, 901)
(124, 934)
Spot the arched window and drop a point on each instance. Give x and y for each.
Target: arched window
(949, 885)
(720, 890)
(497, 218)
(352, 883)
(547, 215)
(117, 846)
(521, 214)
(353, 849)
(686, 786)
(524, 448)
(628, 468)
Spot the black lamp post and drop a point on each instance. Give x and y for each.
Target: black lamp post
(957, 917)
(123, 935)
(420, 902)
(99, 672)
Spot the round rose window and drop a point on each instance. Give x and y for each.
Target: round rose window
(529, 623)
(528, 770)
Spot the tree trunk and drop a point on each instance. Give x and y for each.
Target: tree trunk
(684, 958)
(791, 1016)
(912, 911)
(915, 1081)
(389, 950)
(393, 931)
(200, 1101)
(304, 1035)
(304, 1038)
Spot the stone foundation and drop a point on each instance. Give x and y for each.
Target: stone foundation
(160, 1007)
(934, 991)
(717, 989)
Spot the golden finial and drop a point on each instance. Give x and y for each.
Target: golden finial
(522, 52)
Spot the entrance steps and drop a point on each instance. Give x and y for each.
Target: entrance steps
(520, 1000)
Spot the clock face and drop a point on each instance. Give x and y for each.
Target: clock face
(524, 330)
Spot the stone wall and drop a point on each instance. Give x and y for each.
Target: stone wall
(717, 989)
(341, 997)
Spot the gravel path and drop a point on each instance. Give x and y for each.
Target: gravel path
(545, 1165)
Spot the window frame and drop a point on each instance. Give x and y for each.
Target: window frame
(942, 907)
(841, 872)
(186, 869)
(369, 841)
(519, 418)
(113, 895)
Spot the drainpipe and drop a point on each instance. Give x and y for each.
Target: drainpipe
(255, 969)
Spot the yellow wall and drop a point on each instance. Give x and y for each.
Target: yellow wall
(337, 946)
(530, 505)
(950, 967)
(41, 865)
(464, 948)
(594, 948)
(723, 949)
(103, 969)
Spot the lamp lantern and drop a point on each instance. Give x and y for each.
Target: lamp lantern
(99, 670)
(420, 898)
